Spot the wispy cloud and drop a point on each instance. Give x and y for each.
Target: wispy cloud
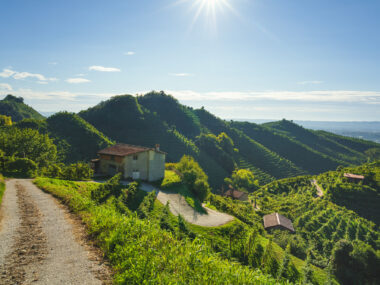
(310, 82)
(6, 73)
(53, 63)
(80, 74)
(77, 80)
(5, 87)
(103, 69)
(180, 74)
(368, 97)
(130, 53)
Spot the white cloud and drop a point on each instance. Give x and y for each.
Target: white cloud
(180, 74)
(7, 73)
(42, 82)
(81, 74)
(130, 53)
(77, 80)
(22, 75)
(310, 82)
(104, 69)
(53, 63)
(5, 87)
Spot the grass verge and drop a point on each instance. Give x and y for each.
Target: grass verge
(141, 252)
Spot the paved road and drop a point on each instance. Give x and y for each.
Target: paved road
(40, 244)
(319, 189)
(178, 205)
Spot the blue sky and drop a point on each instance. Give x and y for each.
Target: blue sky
(271, 59)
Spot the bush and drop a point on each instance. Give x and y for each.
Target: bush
(194, 177)
(23, 166)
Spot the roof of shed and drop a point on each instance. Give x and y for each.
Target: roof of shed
(275, 219)
(234, 193)
(126, 149)
(354, 176)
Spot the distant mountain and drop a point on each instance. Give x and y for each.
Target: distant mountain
(362, 130)
(16, 108)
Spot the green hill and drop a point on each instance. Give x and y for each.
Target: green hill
(77, 139)
(330, 146)
(123, 119)
(272, 151)
(16, 108)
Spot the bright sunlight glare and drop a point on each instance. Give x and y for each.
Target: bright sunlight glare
(209, 9)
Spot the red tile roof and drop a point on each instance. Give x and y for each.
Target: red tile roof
(354, 176)
(125, 150)
(275, 219)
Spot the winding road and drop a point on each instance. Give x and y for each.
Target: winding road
(319, 189)
(178, 205)
(41, 243)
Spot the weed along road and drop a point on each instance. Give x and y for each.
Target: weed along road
(40, 243)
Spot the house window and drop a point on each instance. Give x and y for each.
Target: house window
(135, 157)
(112, 158)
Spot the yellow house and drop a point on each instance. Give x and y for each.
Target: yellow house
(136, 162)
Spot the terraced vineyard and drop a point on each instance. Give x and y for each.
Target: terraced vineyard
(321, 224)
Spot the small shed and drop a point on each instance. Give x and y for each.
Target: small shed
(354, 177)
(236, 195)
(277, 221)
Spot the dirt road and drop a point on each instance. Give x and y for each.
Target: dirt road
(41, 244)
(319, 189)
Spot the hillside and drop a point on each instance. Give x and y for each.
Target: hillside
(76, 139)
(16, 108)
(331, 146)
(347, 215)
(272, 151)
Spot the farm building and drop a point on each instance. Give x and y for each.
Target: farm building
(136, 162)
(353, 177)
(277, 221)
(236, 195)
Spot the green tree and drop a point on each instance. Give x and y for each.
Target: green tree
(243, 179)
(194, 177)
(226, 143)
(5, 120)
(27, 143)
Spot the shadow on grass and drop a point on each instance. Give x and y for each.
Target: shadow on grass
(190, 198)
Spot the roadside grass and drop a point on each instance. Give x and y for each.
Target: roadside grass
(2, 187)
(141, 252)
(172, 182)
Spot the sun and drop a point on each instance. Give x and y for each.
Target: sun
(209, 9)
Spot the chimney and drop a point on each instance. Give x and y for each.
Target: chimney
(157, 147)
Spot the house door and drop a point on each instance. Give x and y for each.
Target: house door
(136, 175)
(111, 170)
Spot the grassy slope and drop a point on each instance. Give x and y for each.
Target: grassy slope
(84, 140)
(2, 187)
(123, 119)
(15, 108)
(253, 152)
(323, 144)
(302, 155)
(141, 252)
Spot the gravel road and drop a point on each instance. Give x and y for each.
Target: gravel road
(178, 205)
(41, 243)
